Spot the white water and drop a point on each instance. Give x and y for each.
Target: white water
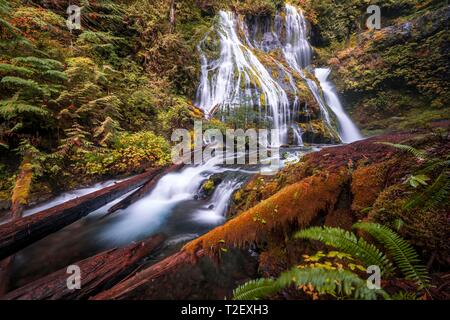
(243, 74)
(66, 196)
(347, 129)
(239, 78)
(171, 191)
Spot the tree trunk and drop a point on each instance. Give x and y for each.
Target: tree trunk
(183, 276)
(98, 273)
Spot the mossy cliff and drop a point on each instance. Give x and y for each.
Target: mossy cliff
(393, 78)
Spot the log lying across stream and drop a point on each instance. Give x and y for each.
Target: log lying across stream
(19, 233)
(97, 273)
(182, 276)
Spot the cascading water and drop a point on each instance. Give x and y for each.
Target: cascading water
(348, 131)
(248, 71)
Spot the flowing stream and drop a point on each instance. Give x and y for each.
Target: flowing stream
(236, 71)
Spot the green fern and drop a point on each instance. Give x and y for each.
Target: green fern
(9, 69)
(12, 108)
(435, 196)
(416, 153)
(28, 86)
(256, 289)
(404, 255)
(338, 283)
(349, 243)
(404, 295)
(341, 283)
(42, 64)
(434, 165)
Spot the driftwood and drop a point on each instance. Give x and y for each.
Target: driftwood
(143, 191)
(19, 233)
(183, 276)
(97, 273)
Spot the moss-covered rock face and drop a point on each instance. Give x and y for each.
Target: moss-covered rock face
(256, 73)
(397, 77)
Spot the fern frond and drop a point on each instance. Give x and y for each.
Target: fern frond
(42, 64)
(342, 283)
(416, 153)
(25, 85)
(256, 289)
(10, 109)
(9, 69)
(349, 243)
(435, 196)
(404, 255)
(404, 295)
(433, 165)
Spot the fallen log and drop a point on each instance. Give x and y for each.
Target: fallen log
(98, 273)
(19, 233)
(182, 276)
(144, 190)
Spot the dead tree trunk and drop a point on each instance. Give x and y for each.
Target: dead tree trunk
(21, 190)
(183, 276)
(97, 273)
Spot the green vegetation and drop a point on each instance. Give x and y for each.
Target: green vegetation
(342, 281)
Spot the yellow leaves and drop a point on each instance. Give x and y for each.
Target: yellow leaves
(309, 290)
(23, 182)
(131, 153)
(335, 260)
(257, 218)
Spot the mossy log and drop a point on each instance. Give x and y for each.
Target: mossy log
(182, 276)
(97, 273)
(19, 233)
(21, 189)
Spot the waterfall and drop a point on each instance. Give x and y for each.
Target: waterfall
(297, 50)
(256, 63)
(347, 129)
(175, 191)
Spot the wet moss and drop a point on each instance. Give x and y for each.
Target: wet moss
(313, 195)
(367, 183)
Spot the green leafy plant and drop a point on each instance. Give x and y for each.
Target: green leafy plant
(435, 196)
(401, 251)
(416, 181)
(337, 283)
(411, 150)
(347, 242)
(256, 289)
